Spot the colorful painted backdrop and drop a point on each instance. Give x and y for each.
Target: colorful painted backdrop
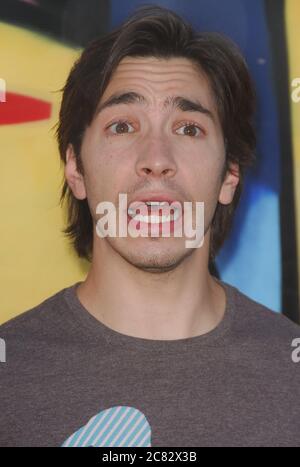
(39, 40)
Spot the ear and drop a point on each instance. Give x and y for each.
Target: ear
(73, 176)
(229, 184)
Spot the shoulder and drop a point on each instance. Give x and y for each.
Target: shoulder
(266, 342)
(37, 337)
(36, 319)
(254, 317)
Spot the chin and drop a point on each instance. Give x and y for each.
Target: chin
(154, 256)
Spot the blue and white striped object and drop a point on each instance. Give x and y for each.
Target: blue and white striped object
(116, 426)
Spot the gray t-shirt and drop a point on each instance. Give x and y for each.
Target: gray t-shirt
(71, 380)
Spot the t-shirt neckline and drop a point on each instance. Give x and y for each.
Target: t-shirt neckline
(98, 330)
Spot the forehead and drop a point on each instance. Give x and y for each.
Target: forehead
(156, 77)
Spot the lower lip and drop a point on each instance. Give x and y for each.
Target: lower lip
(155, 229)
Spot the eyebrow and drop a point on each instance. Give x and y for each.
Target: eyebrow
(173, 102)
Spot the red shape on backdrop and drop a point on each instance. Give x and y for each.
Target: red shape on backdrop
(20, 109)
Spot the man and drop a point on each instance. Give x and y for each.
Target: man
(151, 349)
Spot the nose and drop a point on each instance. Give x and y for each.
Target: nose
(156, 159)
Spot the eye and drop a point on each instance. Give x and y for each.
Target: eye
(120, 127)
(190, 129)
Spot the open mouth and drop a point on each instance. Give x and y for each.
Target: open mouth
(155, 218)
(154, 212)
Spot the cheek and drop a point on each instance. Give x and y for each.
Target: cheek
(203, 172)
(206, 188)
(103, 156)
(105, 177)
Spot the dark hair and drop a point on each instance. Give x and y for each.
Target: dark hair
(153, 31)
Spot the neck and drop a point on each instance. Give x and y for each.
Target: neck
(178, 304)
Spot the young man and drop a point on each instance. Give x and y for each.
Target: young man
(151, 349)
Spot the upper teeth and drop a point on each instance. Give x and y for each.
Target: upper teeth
(156, 203)
(155, 218)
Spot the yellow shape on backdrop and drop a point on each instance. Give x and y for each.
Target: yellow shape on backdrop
(36, 258)
(292, 15)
